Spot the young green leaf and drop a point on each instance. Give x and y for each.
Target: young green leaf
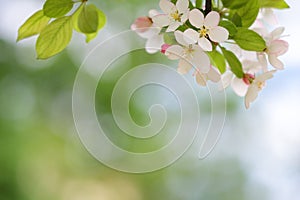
(169, 38)
(88, 19)
(217, 60)
(199, 4)
(234, 63)
(229, 26)
(249, 40)
(234, 4)
(101, 23)
(33, 25)
(237, 20)
(54, 38)
(249, 12)
(279, 4)
(57, 8)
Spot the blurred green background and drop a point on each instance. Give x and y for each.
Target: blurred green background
(41, 156)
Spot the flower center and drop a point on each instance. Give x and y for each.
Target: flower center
(248, 79)
(260, 85)
(176, 16)
(188, 51)
(203, 32)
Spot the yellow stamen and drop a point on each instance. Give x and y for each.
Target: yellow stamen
(203, 32)
(176, 16)
(260, 85)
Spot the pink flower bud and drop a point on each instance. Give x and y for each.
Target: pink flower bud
(248, 78)
(141, 24)
(164, 48)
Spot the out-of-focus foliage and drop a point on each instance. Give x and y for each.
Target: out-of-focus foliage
(55, 36)
(41, 156)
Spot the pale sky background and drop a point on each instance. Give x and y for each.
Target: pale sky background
(274, 117)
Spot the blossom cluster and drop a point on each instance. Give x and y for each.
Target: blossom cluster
(219, 44)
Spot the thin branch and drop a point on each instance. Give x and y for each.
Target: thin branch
(208, 6)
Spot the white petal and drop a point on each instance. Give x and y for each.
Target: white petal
(184, 66)
(179, 38)
(153, 13)
(161, 20)
(269, 16)
(201, 78)
(218, 34)
(262, 59)
(196, 18)
(265, 76)
(205, 44)
(251, 95)
(184, 17)
(201, 60)
(190, 36)
(166, 6)
(277, 33)
(174, 52)
(278, 47)
(173, 26)
(214, 75)
(275, 62)
(182, 5)
(226, 79)
(251, 66)
(154, 44)
(152, 31)
(261, 31)
(212, 19)
(239, 87)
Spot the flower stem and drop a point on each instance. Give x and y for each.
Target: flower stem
(208, 6)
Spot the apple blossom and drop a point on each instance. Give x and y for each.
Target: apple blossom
(188, 55)
(202, 78)
(257, 84)
(189, 36)
(207, 29)
(275, 48)
(145, 28)
(240, 85)
(174, 15)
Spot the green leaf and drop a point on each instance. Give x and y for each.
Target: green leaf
(249, 40)
(101, 23)
(169, 38)
(279, 4)
(217, 60)
(57, 8)
(249, 12)
(88, 19)
(54, 38)
(234, 4)
(234, 63)
(229, 26)
(237, 20)
(33, 25)
(199, 4)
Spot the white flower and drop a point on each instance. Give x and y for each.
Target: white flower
(207, 29)
(266, 16)
(202, 78)
(145, 28)
(189, 55)
(174, 15)
(275, 48)
(249, 86)
(256, 86)
(240, 85)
